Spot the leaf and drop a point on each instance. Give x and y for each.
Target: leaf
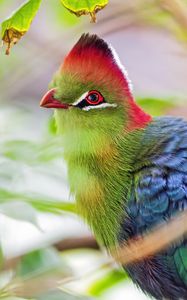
(154, 106)
(37, 273)
(20, 150)
(19, 23)
(5, 278)
(52, 206)
(109, 280)
(20, 211)
(42, 204)
(41, 261)
(85, 7)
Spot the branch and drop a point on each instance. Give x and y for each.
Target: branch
(153, 242)
(77, 243)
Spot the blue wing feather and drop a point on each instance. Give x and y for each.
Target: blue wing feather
(158, 192)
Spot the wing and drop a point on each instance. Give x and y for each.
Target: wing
(158, 192)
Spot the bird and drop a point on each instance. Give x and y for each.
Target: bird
(126, 169)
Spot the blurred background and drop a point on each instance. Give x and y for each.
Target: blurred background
(42, 240)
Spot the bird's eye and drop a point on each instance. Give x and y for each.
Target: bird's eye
(94, 98)
(91, 99)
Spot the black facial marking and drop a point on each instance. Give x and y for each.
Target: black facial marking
(93, 98)
(82, 104)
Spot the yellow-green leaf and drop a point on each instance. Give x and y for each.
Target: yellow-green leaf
(19, 23)
(85, 7)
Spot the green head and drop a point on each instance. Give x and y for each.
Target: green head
(91, 92)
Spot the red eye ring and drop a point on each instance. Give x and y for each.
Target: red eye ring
(97, 97)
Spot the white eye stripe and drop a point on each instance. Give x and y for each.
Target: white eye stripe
(87, 108)
(102, 105)
(80, 98)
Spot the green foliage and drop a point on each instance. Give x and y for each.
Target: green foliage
(112, 278)
(38, 275)
(41, 261)
(85, 7)
(14, 27)
(26, 212)
(20, 211)
(19, 23)
(156, 107)
(32, 152)
(40, 158)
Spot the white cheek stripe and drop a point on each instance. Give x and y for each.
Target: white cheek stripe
(102, 105)
(80, 98)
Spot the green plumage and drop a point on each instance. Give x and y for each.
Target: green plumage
(127, 171)
(99, 155)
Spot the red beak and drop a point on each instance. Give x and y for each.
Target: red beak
(49, 101)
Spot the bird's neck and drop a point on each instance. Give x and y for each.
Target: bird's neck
(137, 118)
(100, 182)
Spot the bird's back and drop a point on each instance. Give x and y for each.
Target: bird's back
(159, 191)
